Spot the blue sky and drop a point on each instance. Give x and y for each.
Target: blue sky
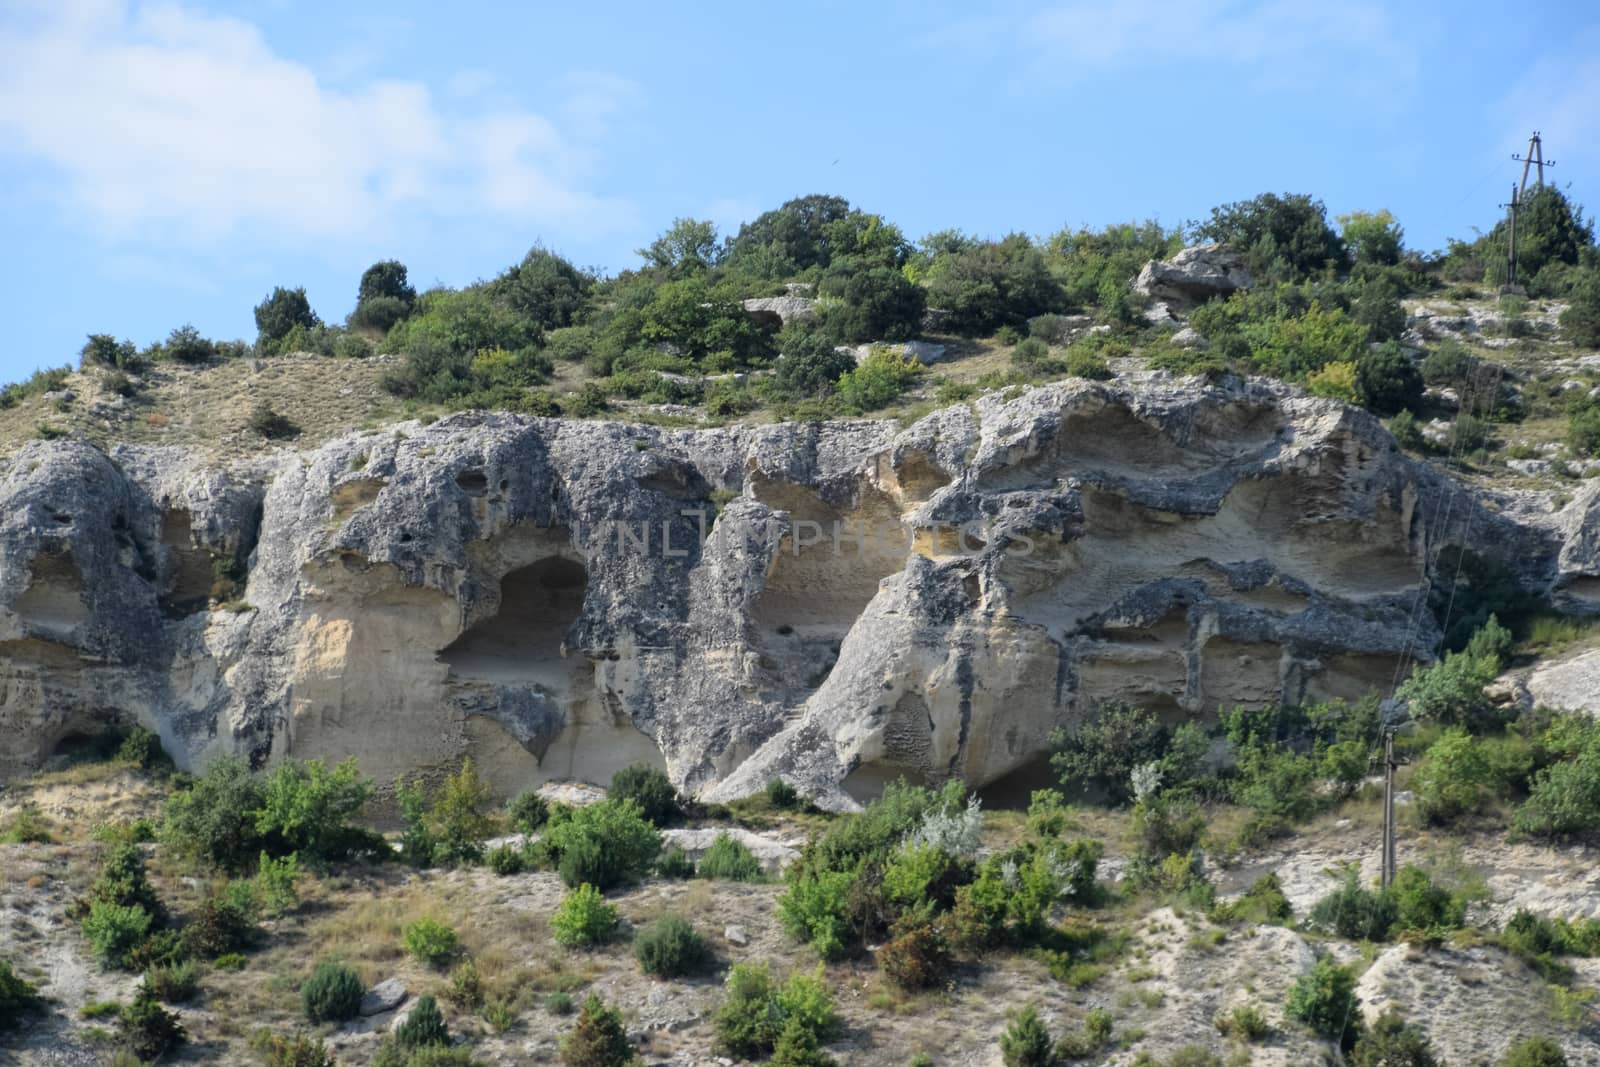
(166, 163)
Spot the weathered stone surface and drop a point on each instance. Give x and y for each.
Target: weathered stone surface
(1193, 276)
(773, 855)
(385, 996)
(784, 309)
(924, 352)
(871, 601)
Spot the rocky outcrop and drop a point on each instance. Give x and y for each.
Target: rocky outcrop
(835, 604)
(1193, 276)
(780, 311)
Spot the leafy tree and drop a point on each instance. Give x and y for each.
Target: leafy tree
(1026, 1042)
(1091, 264)
(874, 304)
(544, 288)
(1284, 238)
(783, 242)
(187, 346)
(703, 326)
(281, 312)
(1550, 229)
(215, 819)
(1534, 1052)
(1454, 778)
(1580, 322)
(584, 919)
(306, 808)
(106, 351)
(994, 283)
(147, 1029)
(460, 817)
(1372, 237)
(688, 247)
(649, 788)
(386, 278)
(114, 931)
(1387, 382)
(431, 941)
(1335, 381)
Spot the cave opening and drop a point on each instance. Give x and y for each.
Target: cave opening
(521, 644)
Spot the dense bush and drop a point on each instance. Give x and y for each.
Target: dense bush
(331, 994)
(187, 346)
(729, 860)
(1387, 381)
(787, 240)
(597, 1038)
(505, 860)
(1534, 1052)
(223, 923)
(423, 1025)
(173, 983)
(1283, 238)
(875, 304)
(811, 364)
(584, 919)
(1325, 1000)
(147, 1029)
(528, 812)
(460, 817)
(603, 844)
(1454, 778)
(756, 1011)
(384, 297)
(1026, 1042)
(114, 931)
(671, 948)
(675, 863)
(1452, 691)
(985, 285)
(918, 957)
(282, 311)
(215, 819)
(307, 809)
(650, 789)
(17, 997)
(781, 795)
(878, 380)
(1106, 748)
(301, 1050)
(104, 350)
(1580, 322)
(544, 288)
(1413, 903)
(1391, 1043)
(1372, 237)
(430, 941)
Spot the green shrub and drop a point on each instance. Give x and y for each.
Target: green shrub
(215, 819)
(1454, 778)
(1282, 237)
(650, 789)
(173, 983)
(26, 828)
(755, 1012)
(17, 997)
(584, 918)
(301, 1050)
(1030, 353)
(308, 809)
(1391, 1043)
(1192, 1056)
(148, 1030)
(1026, 1042)
(275, 883)
(282, 311)
(878, 380)
(670, 948)
(1264, 902)
(528, 812)
(782, 795)
(987, 285)
(1387, 382)
(505, 860)
(1105, 749)
(1082, 362)
(430, 941)
(917, 958)
(558, 1003)
(331, 994)
(466, 986)
(875, 303)
(423, 1025)
(1534, 1052)
(459, 817)
(675, 863)
(729, 860)
(1325, 1000)
(1565, 798)
(603, 844)
(597, 1038)
(1245, 1021)
(1354, 912)
(813, 910)
(114, 931)
(122, 881)
(1580, 322)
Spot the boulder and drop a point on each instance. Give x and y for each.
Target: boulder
(1193, 276)
(780, 310)
(385, 996)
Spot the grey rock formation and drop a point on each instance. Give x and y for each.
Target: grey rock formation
(836, 604)
(385, 996)
(1193, 276)
(780, 310)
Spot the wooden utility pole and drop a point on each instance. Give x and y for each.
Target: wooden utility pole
(1390, 762)
(1534, 158)
(1511, 245)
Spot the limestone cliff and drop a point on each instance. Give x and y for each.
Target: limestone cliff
(835, 603)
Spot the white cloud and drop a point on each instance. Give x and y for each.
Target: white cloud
(161, 118)
(1263, 44)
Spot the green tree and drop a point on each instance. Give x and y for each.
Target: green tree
(788, 240)
(307, 808)
(384, 297)
(1391, 1043)
(1580, 322)
(1372, 237)
(215, 819)
(282, 311)
(597, 1038)
(811, 364)
(460, 817)
(984, 286)
(1283, 238)
(1106, 748)
(544, 288)
(688, 247)
(1387, 382)
(1534, 1052)
(877, 303)
(603, 844)
(1325, 1000)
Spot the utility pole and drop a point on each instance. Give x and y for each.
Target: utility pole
(1511, 245)
(1390, 762)
(1534, 158)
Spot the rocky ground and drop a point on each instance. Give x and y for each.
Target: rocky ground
(1173, 973)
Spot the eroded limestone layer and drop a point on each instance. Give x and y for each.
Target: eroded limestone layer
(838, 604)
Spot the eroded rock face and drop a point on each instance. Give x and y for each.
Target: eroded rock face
(1193, 276)
(837, 604)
